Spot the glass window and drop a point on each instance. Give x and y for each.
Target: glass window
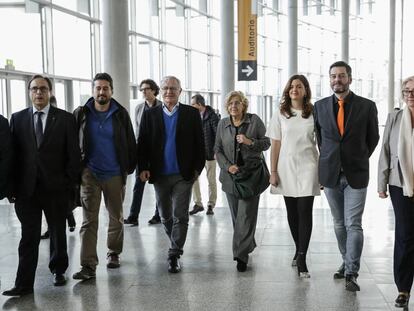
(72, 49)
(174, 30)
(198, 71)
(18, 95)
(216, 76)
(3, 103)
(148, 60)
(21, 39)
(82, 91)
(215, 37)
(175, 61)
(143, 17)
(60, 95)
(198, 30)
(81, 6)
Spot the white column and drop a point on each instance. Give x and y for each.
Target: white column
(227, 51)
(345, 31)
(116, 47)
(293, 37)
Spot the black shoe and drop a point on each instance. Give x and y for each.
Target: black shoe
(302, 268)
(210, 210)
(340, 274)
(130, 221)
(59, 279)
(241, 265)
(174, 264)
(351, 283)
(402, 300)
(45, 235)
(155, 220)
(18, 292)
(71, 222)
(196, 209)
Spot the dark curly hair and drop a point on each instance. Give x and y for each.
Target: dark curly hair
(152, 85)
(286, 102)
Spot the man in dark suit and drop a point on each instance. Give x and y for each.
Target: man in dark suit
(347, 132)
(171, 156)
(46, 169)
(5, 157)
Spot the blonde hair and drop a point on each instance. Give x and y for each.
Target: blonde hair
(240, 95)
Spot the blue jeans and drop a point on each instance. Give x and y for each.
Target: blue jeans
(347, 206)
(137, 195)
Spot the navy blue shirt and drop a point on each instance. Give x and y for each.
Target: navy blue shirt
(101, 158)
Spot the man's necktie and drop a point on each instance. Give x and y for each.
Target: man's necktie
(39, 128)
(340, 117)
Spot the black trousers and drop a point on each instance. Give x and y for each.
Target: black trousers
(404, 239)
(299, 214)
(29, 213)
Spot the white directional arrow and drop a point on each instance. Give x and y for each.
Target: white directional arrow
(248, 70)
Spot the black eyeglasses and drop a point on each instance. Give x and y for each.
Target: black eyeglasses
(408, 92)
(42, 89)
(145, 89)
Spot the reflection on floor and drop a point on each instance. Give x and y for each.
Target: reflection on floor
(209, 280)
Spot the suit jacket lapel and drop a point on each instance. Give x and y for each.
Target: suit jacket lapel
(332, 115)
(50, 122)
(160, 123)
(353, 113)
(29, 120)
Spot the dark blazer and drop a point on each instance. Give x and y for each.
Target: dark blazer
(189, 142)
(55, 165)
(352, 151)
(6, 155)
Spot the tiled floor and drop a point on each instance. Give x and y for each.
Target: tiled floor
(209, 280)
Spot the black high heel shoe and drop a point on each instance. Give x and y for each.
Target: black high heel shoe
(303, 272)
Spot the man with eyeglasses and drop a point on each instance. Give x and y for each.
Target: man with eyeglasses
(45, 171)
(171, 156)
(5, 157)
(149, 91)
(108, 149)
(346, 127)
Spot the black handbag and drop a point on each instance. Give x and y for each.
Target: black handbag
(252, 179)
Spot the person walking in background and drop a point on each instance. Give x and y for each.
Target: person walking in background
(210, 120)
(45, 171)
(149, 91)
(294, 163)
(240, 140)
(395, 170)
(347, 131)
(109, 152)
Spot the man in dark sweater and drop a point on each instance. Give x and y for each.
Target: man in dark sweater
(171, 156)
(209, 120)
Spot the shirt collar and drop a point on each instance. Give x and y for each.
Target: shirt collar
(170, 113)
(45, 110)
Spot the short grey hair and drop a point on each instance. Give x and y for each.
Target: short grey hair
(166, 78)
(405, 81)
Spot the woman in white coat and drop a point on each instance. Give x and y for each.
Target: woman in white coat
(294, 163)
